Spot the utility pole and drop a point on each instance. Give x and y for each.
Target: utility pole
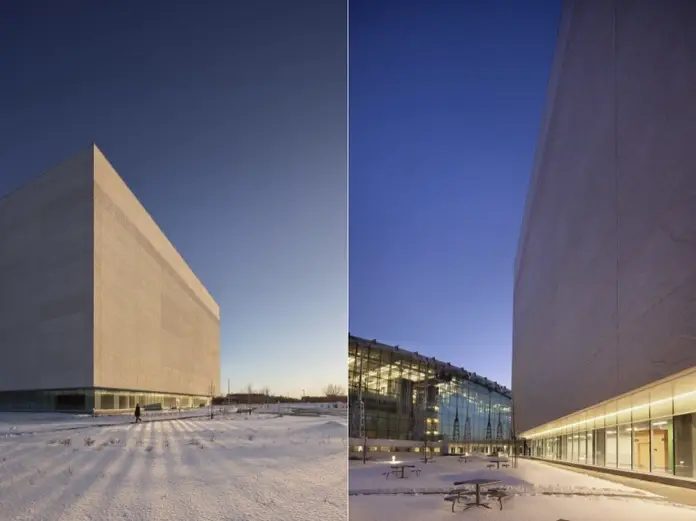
(513, 432)
(489, 433)
(425, 417)
(467, 421)
(363, 431)
(455, 427)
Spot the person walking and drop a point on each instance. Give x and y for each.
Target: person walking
(137, 413)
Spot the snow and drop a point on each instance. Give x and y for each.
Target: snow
(241, 467)
(540, 492)
(14, 424)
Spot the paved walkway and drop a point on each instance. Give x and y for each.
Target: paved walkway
(684, 496)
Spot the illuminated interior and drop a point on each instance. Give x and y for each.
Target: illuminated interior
(407, 396)
(652, 429)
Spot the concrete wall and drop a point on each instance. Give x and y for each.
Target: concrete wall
(605, 279)
(156, 327)
(46, 280)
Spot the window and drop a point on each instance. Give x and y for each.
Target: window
(685, 445)
(662, 439)
(610, 447)
(641, 446)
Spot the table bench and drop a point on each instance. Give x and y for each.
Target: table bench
(497, 462)
(478, 483)
(399, 471)
(456, 496)
(499, 494)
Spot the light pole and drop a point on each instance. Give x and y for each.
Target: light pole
(363, 431)
(425, 418)
(212, 392)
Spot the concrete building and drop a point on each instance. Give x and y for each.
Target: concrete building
(97, 309)
(404, 401)
(604, 341)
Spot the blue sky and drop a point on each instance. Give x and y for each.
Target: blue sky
(228, 121)
(445, 105)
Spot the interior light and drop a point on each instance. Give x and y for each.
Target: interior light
(609, 415)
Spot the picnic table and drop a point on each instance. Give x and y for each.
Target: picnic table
(498, 461)
(478, 484)
(399, 470)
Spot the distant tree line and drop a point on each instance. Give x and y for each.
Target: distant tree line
(251, 396)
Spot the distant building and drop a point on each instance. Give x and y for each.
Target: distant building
(604, 338)
(98, 311)
(404, 401)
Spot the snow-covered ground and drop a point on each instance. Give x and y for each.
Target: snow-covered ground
(239, 467)
(14, 424)
(539, 493)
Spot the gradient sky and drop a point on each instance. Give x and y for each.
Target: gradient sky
(445, 105)
(228, 121)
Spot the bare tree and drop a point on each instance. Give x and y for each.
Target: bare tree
(250, 391)
(266, 394)
(334, 391)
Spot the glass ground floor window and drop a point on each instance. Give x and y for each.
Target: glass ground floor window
(665, 445)
(48, 400)
(116, 399)
(90, 399)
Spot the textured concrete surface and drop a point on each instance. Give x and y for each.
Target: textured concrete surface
(46, 299)
(93, 293)
(605, 277)
(156, 326)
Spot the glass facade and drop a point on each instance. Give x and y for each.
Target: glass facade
(638, 441)
(399, 395)
(89, 400)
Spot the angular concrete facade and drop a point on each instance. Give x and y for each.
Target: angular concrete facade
(605, 277)
(95, 296)
(46, 279)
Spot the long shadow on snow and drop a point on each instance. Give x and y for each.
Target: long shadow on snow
(22, 446)
(145, 483)
(74, 461)
(113, 484)
(45, 458)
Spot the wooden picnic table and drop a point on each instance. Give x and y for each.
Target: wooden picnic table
(478, 483)
(402, 469)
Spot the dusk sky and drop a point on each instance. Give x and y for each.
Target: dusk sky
(445, 105)
(228, 121)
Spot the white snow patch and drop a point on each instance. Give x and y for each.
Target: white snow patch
(538, 493)
(251, 468)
